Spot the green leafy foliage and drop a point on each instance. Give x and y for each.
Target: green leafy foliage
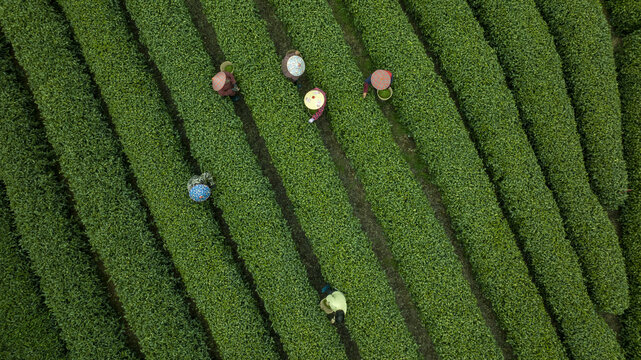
(629, 67)
(27, 329)
(113, 217)
(424, 106)
(425, 256)
(625, 15)
(493, 117)
(312, 184)
(68, 275)
(582, 37)
(151, 144)
(533, 68)
(254, 219)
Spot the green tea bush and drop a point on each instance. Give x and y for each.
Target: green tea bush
(312, 184)
(151, 144)
(582, 38)
(27, 329)
(68, 276)
(425, 256)
(254, 219)
(491, 113)
(625, 15)
(532, 66)
(110, 210)
(425, 108)
(629, 67)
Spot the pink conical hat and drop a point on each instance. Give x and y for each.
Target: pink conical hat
(218, 81)
(381, 79)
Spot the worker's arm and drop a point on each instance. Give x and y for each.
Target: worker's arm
(366, 84)
(319, 112)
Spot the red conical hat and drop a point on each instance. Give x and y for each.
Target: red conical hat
(218, 81)
(381, 79)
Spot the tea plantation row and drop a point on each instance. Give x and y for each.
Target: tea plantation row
(582, 38)
(27, 328)
(490, 111)
(68, 278)
(533, 69)
(629, 68)
(110, 210)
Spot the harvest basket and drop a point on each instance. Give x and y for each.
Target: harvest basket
(384, 94)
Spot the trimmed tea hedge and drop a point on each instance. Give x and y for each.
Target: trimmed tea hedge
(312, 184)
(68, 276)
(152, 146)
(492, 115)
(249, 206)
(425, 257)
(27, 329)
(424, 106)
(625, 15)
(629, 67)
(114, 219)
(526, 51)
(582, 38)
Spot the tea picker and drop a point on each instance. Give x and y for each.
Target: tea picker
(315, 99)
(381, 81)
(334, 303)
(293, 66)
(198, 187)
(225, 84)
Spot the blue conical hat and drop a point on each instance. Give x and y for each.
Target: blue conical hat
(199, 192)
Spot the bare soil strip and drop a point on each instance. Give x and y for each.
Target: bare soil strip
(613, 321)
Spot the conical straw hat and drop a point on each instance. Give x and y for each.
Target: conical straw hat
(314, 99)
(381, 79)
(296, 65)
(218, 81)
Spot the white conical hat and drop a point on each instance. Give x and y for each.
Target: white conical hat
(296, 65)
